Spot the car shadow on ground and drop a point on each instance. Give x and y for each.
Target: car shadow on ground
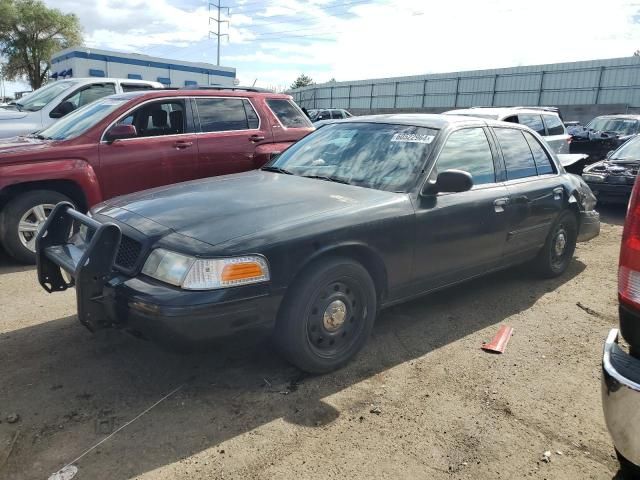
(612, 213)
(72, 388)
(9, 265)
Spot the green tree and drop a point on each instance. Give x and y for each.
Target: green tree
(636, 53)
(302, 81)
(30, 33)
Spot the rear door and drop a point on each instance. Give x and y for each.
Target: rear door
(229, 132)
(535, 191)
(291, 124)
(163, 152)
(459, 235)
(556, 135)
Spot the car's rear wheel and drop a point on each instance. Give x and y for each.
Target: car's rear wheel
(327, 316)
(558, 250)
(629, 471)
(21, 220)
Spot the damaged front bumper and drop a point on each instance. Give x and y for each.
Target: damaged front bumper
(589, 225)
(139, 304)
(621, 398)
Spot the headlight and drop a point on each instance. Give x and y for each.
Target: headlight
(205, 274)
(592, 177)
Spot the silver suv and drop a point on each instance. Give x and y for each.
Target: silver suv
(543, 120)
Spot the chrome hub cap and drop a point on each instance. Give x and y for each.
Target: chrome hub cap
(335, 315)
(31, 223)
(560, 244)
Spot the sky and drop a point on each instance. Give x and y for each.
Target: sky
(271, 42)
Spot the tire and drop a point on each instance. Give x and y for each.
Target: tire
(629, 470)
(21, 244)
(327, 316)
(549, 263)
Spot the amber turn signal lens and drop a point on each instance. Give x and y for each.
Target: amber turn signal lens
(241, 271)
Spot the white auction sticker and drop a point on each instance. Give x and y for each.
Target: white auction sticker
(412, 138)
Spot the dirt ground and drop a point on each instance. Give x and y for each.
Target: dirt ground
(422, 401)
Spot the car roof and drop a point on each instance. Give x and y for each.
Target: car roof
(621, 115)
(173, 92)
(500, 111)
(427, 120)
(109, 79)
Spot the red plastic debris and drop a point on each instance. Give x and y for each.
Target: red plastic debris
(499, 342)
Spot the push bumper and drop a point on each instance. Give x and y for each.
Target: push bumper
(621, 398)
(144, 306)
(589, 225)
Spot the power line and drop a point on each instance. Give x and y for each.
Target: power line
(218, 21)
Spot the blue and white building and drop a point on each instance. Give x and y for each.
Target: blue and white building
(81, 62)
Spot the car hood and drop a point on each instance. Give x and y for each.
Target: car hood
(220, 209)
(7, 114)
(21, 144)
(614, 167)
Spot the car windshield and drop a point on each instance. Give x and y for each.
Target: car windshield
(41, 97)
(628, 151)
(372, 155)
(81, 120)
(621, 126)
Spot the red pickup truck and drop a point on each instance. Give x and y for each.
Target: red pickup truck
(134, 141)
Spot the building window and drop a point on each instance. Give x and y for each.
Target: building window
(93, 72)
(164, 80)
(134, 76)
(190, 83)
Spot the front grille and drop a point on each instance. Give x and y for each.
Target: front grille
(128, 253)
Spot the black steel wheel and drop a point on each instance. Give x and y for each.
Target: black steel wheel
(558, 250)
(327, 316)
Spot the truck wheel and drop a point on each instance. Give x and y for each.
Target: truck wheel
(21, 219)
(327, 316)
(627, 469)
(557, 253)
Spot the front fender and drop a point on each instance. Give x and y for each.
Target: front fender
(74, 170)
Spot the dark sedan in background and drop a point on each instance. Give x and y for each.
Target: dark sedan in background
(612, 180)
(603, 134)
(355, 217)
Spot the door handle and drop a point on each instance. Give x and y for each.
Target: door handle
(500, 203)
(557, 193)
(256, 138)
(181, 144)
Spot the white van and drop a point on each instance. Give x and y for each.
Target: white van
(41, 108)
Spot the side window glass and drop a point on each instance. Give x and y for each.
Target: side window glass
(544, 164)
(252, 116)
(534, 122)
(134, 87)
(290, 115)
(157, 119)
(468, 150)
(554, 125)
(517, 154)
(221, 114)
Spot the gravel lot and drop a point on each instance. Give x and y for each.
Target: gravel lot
(421, 401)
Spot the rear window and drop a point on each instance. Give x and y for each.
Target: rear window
(517, 154)
(554, 125)
(289, 115)
(222, 114)
(534, 122)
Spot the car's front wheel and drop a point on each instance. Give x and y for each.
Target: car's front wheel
(327, 315)
(21, 220)
(558, 250)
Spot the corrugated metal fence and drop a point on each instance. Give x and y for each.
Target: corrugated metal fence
(594, 82)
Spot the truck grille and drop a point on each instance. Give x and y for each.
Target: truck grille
(128, 253)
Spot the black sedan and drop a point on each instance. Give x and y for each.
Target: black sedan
(612, 180)
(355, 217)
(603, 134)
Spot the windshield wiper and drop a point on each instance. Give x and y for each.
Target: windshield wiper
(328, 179)
(277, 170)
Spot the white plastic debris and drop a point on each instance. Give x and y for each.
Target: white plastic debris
(66, 473)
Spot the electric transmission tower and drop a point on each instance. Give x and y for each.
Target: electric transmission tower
(217, 8)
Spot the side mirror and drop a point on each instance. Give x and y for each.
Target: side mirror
(449, 181)
(120, 132)
(61, 110)
(609, 153)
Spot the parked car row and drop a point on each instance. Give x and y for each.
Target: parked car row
(133, 141)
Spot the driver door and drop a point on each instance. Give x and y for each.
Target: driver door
(460, 235)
